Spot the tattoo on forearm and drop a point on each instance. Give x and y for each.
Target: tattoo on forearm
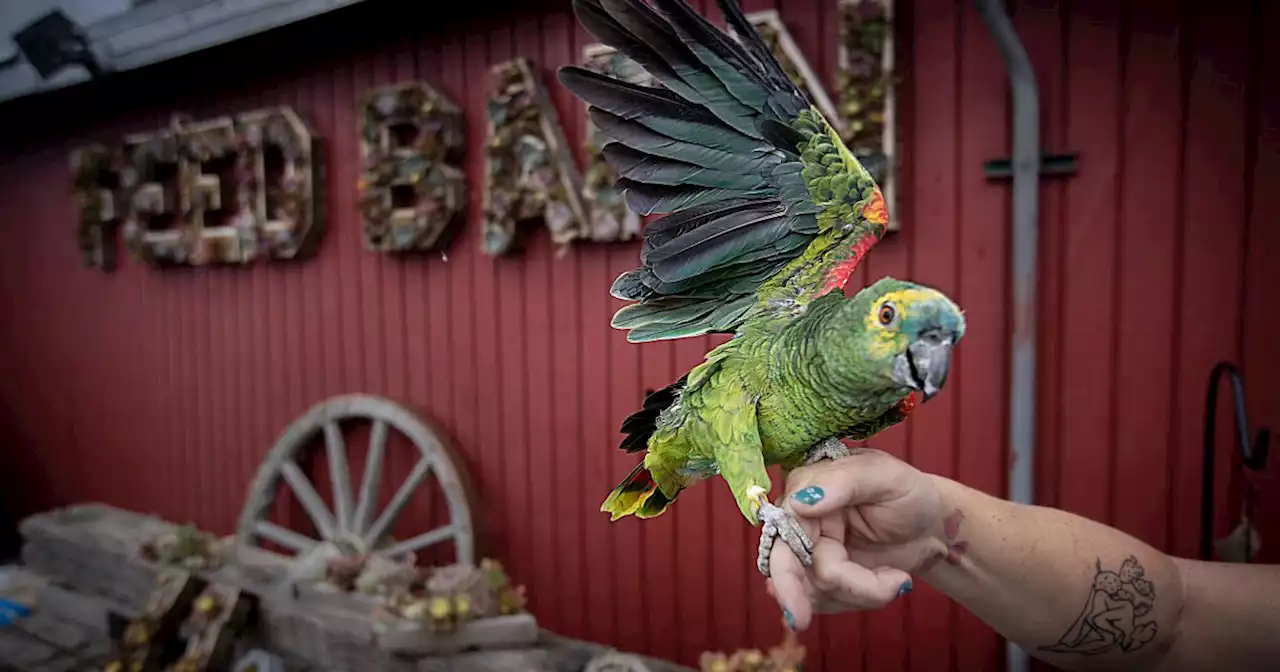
(1116, 615)
(955, 549)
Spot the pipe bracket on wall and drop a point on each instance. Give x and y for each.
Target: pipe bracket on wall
(1051, 165)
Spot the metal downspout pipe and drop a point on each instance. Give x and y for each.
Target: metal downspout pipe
(1026, 185)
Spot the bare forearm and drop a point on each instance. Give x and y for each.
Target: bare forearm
(1230, 617)
(1075, 593)
(1082, 595)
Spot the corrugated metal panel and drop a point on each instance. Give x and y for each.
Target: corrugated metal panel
(1145, 270)
(1261, 358)
(162, 391)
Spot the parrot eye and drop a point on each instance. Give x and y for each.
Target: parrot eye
(887, 314)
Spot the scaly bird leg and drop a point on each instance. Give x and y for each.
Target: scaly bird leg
(778, 522)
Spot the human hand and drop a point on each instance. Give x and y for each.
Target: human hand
(872, 518)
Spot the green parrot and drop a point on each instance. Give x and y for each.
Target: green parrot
(767, 214)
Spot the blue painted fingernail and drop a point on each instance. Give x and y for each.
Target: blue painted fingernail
(791, 620)
(904, 588)
(810, 495)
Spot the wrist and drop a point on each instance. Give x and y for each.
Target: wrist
(945, 544)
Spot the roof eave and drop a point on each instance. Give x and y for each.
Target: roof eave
(166, 29)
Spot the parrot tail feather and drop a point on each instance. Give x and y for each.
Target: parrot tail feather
(639, 426)
(656, 504)
(637, 495)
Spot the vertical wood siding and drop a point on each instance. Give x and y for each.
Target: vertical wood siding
(161, 391)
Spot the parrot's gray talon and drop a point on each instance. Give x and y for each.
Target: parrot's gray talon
(767, 534)
(827, 449)
(782, 523)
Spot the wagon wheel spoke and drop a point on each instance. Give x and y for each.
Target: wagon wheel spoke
(421, 541)
(309, 498)
(339, 474)
(401, 499)
(372, 480)
(284, 536)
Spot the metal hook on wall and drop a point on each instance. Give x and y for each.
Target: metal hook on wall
(1253, 452)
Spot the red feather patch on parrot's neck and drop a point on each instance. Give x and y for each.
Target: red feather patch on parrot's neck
(908, 404)
(874, 211)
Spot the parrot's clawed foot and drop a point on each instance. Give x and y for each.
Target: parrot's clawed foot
(827, 449)
(782, 523)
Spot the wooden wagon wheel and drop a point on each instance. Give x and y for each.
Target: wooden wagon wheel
(352, 527)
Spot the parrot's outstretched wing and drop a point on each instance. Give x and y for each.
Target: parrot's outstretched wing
(766, 209)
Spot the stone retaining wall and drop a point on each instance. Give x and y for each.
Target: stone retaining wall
(91, 552)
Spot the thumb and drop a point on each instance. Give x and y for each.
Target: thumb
(866, 477)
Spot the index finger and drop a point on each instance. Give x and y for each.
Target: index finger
(787, 579)
(866, 477)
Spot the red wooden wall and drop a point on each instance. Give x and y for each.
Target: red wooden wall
(161, 391)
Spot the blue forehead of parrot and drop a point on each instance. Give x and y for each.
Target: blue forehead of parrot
(936, 312)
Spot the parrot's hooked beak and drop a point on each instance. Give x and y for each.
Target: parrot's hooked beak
(925, 364)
